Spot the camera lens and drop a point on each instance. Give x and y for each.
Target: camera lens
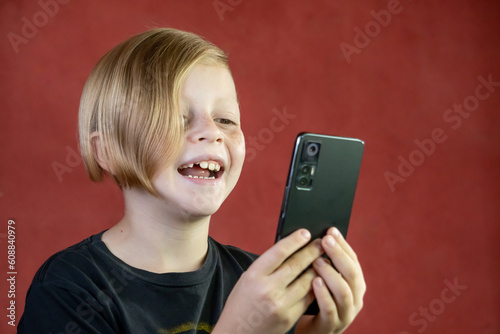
(305, 169)
(303, 181)
(312, 149)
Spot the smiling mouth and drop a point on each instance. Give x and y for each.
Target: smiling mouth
(207, 169)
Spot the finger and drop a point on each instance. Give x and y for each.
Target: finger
(339, 290)
(300, 294)
(341, 260)
(298, 262)
(334, 232)
(297, 311)
(349, 269)
(278, 253)
(328, 312)
(300, 289)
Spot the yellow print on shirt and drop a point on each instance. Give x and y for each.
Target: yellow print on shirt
(202, 326)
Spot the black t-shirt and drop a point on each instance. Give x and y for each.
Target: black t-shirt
(86, 289)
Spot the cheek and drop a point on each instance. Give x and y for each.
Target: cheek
(237, 141)
(163, 179)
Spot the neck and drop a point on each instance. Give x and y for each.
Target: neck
(153, 238)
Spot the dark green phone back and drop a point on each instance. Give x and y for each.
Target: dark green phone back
(328, 200)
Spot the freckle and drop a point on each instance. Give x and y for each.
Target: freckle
(121, 231)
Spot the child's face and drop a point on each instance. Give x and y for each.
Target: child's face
(213, 152)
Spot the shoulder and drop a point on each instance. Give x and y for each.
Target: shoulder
(73, 264)
(74, 285)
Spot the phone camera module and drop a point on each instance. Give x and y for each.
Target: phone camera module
(306, 168)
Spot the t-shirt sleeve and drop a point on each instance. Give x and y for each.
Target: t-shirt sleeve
(54, 309)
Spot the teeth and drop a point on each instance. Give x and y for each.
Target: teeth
(186, 166)
(201, 177)
(212, 165)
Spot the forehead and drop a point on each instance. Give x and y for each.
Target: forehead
(208, 83)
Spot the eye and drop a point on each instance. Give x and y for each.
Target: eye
(225, 121)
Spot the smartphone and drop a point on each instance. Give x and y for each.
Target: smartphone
(321, 183)
(320, 188)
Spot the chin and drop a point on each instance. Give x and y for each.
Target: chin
(201, 205)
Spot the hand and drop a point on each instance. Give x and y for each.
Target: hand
(339, 288)
(275, 291)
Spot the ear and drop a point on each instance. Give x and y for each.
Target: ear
(99, 151)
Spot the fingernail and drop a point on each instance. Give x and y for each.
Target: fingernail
(330, 241)
(305, 234)
(336, 232)
(319, 282)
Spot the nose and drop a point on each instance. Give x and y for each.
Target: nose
(203, 128)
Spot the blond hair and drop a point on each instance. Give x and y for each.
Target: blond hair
(131, 99)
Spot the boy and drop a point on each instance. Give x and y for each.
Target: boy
(159, 114)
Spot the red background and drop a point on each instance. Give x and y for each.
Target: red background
(440, 224)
